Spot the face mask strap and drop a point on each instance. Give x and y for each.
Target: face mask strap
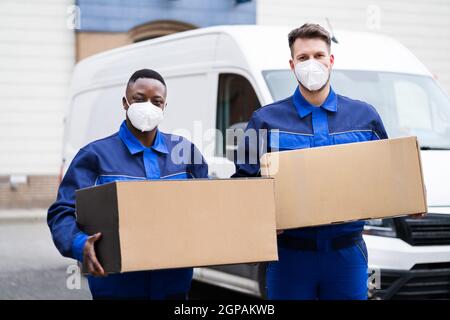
(126, 100)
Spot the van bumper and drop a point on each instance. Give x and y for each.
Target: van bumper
(424, 282)
(408, 272)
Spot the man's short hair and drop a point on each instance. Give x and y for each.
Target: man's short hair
(146, 73)
(309, 31)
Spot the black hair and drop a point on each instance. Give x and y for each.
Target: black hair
(146, 73)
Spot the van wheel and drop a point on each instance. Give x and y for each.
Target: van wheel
(262, 280)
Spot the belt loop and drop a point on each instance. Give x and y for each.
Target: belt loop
(323, 244)
(326, 245)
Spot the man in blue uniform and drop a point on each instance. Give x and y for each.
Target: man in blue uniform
(326, 262)
(138, 151)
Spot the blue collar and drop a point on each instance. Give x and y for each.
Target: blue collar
(135, 146)
(304, 107)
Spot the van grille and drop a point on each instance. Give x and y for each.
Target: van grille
(432, 230)
(424, 281)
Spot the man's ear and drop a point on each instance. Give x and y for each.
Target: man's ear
(125, 104)
(331, 60)
(291, 63)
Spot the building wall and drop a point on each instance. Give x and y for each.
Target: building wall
(121, 16)
(106, 24)
(40, 40)
(38, 192)
(422, 26)
(36, 60)
(89, 43)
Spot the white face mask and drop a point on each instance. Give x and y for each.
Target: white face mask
(144, 116)
(312, 74)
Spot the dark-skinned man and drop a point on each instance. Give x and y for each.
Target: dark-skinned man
(138, 151)
(326, 262)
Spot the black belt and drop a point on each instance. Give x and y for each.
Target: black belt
(173, 296)
(306, 244)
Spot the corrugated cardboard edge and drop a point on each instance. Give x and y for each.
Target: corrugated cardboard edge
(264, 165)
(118, 187)
(119, 247)
(422, 177)
(265, 170)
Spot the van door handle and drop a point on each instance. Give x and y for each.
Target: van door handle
(213, 175)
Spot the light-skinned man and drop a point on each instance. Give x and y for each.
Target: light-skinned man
(326, 262)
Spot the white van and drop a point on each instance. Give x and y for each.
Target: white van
(218, 76)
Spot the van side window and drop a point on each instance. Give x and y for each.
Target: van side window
(413, 106)
(236, 102)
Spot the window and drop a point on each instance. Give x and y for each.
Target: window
(413, 106)
(236, 102)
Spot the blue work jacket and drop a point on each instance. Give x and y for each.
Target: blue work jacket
(120, 157)
(293, 123)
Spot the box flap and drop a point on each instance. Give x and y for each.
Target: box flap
(97, 211)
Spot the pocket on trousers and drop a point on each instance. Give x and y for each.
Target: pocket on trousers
(362, 248)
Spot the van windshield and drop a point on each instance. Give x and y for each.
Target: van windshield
(408, 104)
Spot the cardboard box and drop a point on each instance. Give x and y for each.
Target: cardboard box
(160, 224)
(347, 182)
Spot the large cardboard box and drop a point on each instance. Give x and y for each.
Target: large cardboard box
(347, 182)
(160, 224)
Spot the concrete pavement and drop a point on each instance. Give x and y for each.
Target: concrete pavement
(32, 268)
(30, 265)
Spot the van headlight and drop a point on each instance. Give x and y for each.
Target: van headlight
(381, 228)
